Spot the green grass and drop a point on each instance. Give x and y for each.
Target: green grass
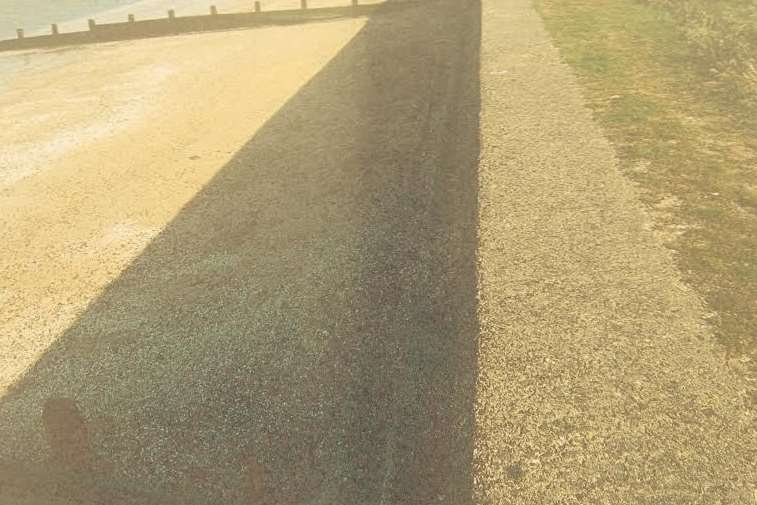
(684, 125)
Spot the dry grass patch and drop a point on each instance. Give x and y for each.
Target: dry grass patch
(670, 82)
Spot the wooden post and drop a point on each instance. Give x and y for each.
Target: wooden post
(20, 33)
(91, 24)
(131, 18)
(213, 10)
(171, 14)
(257, 6)
(304, 4)
(54, 29)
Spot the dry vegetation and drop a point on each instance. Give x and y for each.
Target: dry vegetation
(723, 36)
(674, 84)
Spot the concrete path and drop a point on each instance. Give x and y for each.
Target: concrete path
(598, 381)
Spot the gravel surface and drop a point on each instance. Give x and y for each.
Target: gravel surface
(598, 379)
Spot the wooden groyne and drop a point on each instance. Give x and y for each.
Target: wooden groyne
(172, 24)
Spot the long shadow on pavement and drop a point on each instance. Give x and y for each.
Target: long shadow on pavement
(304, 331)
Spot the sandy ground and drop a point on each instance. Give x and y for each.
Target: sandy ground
(598, 380)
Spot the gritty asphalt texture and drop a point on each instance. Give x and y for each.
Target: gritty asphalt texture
(420, 282)
(599, 381)
(304, 331)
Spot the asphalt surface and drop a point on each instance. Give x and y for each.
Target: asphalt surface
(420, 282)
(304, 331)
